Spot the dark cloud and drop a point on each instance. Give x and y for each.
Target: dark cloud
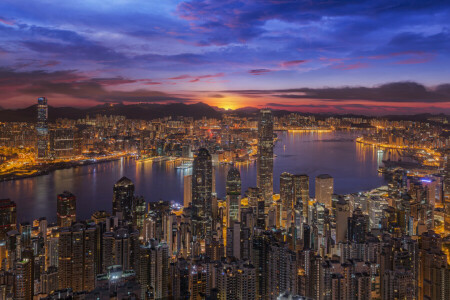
(390, 92)
(72, 84)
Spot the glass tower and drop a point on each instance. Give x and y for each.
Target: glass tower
(42, 128)
(265, 156)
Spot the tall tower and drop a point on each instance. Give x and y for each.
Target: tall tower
(324, 189)
(66, 209)
(123, 197)
(301, 193)
(447, 191)
(8, 217)
(42, 128)
(265, 155)
(202, 186)
(233, 188)
(187, 185)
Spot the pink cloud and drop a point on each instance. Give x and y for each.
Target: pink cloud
(7, 22)
(197, 78)
(354, 66)
(292, 63)
(259, 71)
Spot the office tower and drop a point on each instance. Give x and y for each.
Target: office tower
(324, 189)
(42, 129)
(342, 215)
(187, 196)
(8, 217)
(24, 280)
(25, 234)
(265, 156)
(61, 142)
(253, 195)
(202, 182)
(301, 193)
(286, 190)
(446, 191)
(66, 210)
(123, 198)
(358, 226)
(233, 188)
(233, 247)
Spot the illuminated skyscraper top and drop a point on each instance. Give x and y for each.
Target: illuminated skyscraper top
(42, 128)
(265, 155)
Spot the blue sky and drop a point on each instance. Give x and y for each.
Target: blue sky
(299, 54)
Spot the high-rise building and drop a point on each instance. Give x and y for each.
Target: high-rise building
(76, 257)
(265, 156)
(24, 280)
(233, 188)
(187, 196)
(61, 143)
(447, 191)
(301, 193)
(8, 217)
(42, 129)
(202, 182)
(123, 197)
(324, 189)
(66, 209)
(286, 190)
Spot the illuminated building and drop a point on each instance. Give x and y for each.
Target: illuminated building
(286, 190)
(42, 129)
(264, 167)
(187, 190)
(123, 198)
(66, 209)
(61, 143)
(24, 280)
(324, 189)
(447, 192)
(8, 217)
(202, 182)
(233, 189)
(301, 193)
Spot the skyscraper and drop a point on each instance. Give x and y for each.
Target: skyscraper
(123, 197)
(286, 190)
(42, 128)
(66, 209)
(8, 217)
(265, 155)
(324, 189)
(447, 191)
(233, 188)
(187, 197)
(202, 183)
(301, 193)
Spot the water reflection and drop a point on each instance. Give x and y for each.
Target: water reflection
(353, 165)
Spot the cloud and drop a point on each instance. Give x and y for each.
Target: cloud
(75, 85)
(354, 66)
(401, 92)
(292, 63)
(259, 71)
(193, 78)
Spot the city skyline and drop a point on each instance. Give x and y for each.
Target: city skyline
(366, 57)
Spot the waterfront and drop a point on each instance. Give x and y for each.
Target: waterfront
(353, 165)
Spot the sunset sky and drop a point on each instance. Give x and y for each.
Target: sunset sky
(372, 57)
